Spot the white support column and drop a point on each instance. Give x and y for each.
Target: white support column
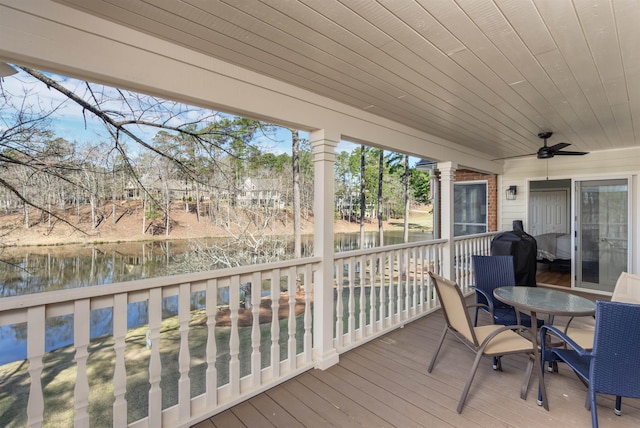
(324, 143)
(447, 178)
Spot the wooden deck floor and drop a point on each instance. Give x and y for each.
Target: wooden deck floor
(561, 278)
(385, 384)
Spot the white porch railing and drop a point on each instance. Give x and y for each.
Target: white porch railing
(464, 248)
(392, 285)
(380, 289)
(209, 340)
(210, 353)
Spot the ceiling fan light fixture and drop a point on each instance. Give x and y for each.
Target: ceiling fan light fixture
(545, 154)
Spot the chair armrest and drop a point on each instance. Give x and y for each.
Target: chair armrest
(489, 306)
(562, 336)
(485, 295)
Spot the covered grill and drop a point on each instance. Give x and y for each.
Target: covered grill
(523, 248)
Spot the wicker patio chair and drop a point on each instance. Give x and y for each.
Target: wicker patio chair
(491, 340)
(613, 366)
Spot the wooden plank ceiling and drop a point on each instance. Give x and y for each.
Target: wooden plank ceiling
(488, 74)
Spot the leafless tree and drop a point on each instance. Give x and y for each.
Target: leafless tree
(295, 157)
(363, 200)
(380, 183)
(247, 242)
(406, 182)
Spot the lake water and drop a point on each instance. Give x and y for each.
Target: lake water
(40, 269)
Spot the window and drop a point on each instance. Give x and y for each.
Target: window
(470, 204)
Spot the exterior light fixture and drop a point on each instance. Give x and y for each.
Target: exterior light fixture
(512, 191)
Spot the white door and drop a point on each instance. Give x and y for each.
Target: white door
(602, 241)
(549, 212)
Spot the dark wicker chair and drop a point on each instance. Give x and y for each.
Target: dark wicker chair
(490, 273)
(613, 366)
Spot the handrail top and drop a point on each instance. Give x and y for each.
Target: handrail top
(474, 236)
(383, 249)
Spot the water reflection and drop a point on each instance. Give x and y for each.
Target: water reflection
(351, 241)
(31, 270)
(40, 269)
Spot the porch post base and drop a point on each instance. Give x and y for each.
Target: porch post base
(327, 360)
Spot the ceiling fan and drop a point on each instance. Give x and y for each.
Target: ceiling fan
(547, 152)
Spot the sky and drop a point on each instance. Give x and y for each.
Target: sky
(69, 121)
(72, 124)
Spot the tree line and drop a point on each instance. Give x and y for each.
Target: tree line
(164, 154)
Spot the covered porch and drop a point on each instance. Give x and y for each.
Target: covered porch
(385, 383)
(358, 352)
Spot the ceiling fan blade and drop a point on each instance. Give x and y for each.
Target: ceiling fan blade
(515, 157)
(566, 153)
(558, 146)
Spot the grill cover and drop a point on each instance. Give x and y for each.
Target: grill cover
(523, 248)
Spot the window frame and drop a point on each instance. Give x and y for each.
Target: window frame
(465, 224)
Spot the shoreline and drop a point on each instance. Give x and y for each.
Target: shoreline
(128, 229)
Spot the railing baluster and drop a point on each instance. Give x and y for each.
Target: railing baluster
(420, 262)
(362, 300)
(467, 262)
(399, 286)
(155, 365)
(456, 258)
(414, 280)
(372, 293)
(184, 358)
(234, 339)
(428, 263)
(212, 347)
(256, 292)
(81, 326)
(275, 323)
(390, 304)
(407, 283)
(352, 303)
(462, 261)
(292, 343)
(383, 291)
(308, 333)
(120, 372)
(339, 266)
(35, 351)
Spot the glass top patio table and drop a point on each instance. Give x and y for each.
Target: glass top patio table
(546, 301)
